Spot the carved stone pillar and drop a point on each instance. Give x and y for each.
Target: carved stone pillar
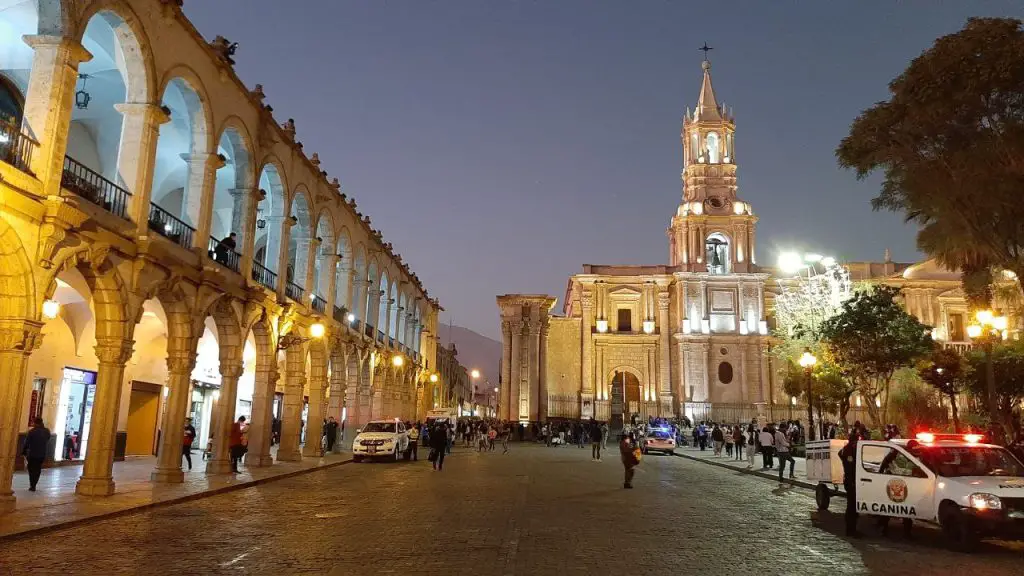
(664, 362)
(587, 338)
(291, 419)
(312, 255)
(505, 392)
(262, 409)
(315, 418)
(136, 158)
(181, 360)
(97, 473)
(515, 378)
(542, 396)
(224, 418)
(247, 230)
(530, 396)
(287, 224)
(197, 207)
(18, 338)
(338, 382)
(48, 103)
(329, 273)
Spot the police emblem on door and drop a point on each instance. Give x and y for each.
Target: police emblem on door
(896, 489)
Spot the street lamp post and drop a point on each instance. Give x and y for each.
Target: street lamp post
(808, 360)
(988, 329)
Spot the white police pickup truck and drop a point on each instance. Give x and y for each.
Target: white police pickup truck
(970, 489)
(381, 439)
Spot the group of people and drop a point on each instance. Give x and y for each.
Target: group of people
(238, 442)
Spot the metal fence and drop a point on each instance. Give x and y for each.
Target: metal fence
(16, 147)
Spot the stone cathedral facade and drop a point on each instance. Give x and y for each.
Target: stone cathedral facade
(653, 340)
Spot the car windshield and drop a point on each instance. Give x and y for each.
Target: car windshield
(661, 435)
(379, 427)
(971, 461)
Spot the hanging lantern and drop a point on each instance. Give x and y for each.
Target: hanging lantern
(82, 98)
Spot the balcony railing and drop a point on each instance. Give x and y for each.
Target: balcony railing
(164, 223)
(340, 314)
(264, 276)
(294, 291)
(381, 337)
(224, 256)
(391, 342)
(319, 304)
(95, 188)
(16, 147)
(369, 330)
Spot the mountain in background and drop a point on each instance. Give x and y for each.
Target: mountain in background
(475, 351)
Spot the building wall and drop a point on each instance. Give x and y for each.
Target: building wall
(564, 361)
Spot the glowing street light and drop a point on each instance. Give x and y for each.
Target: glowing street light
(474, 374)
(351, 317)
(988, 328)
(808, 360)
(433, 377)
(398, 361)
(790, 262)
(317, 330)
(51, 308)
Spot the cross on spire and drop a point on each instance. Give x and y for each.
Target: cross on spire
(705, 49)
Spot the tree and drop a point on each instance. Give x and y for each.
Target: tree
(950, 142)
(1008, 364)
(949, 373)
(870, 339)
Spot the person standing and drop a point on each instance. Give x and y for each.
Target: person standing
(331, 430)
(739, 442)
(439, 445)
(604, 435)
(414, 439)
(186, 442)
(766, 439)
(630, 455)
(596, 439)
(36, 442)
(235, 441)
(751, 440)
(718, 437)
(782, 447)
(848, 454)
(506, 431)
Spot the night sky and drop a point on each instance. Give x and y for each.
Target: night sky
(501, 145)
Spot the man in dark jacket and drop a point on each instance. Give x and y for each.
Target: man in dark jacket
(36, 442)
(596, 438)
(628, 452)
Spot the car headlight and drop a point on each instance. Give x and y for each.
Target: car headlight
(984, 501)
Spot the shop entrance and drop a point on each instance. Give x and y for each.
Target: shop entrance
(204, 398)
(143, 408)
(74, 413)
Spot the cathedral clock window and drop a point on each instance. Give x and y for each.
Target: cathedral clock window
(714, 148)
(717, 249)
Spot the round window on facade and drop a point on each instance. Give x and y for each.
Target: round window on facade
(725, 373)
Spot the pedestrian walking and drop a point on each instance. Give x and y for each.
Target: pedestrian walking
(596, 439)
(505, 433)
(718, 437)
(782, 446)
(331, 431)
(438, 445)
(848, 454)
(235, 442)
(751, 441)
(630, 454)
(187, 439)
(739, 443)
(36, 442)
(604, 435)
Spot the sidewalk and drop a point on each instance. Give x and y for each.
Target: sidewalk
(708, 457)
(55, 504)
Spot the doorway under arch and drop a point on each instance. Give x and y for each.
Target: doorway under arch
(625, 397)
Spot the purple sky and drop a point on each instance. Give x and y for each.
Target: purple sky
(501, 145)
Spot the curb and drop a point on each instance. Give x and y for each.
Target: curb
(36, 531)
(758, 473)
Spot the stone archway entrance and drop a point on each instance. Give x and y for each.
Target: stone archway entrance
(625, 393)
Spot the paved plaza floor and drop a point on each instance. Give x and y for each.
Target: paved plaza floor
(535, 511)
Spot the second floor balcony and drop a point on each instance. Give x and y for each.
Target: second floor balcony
(90, 185)
(224, 256)
(294, 291)
(16, 147)
(171, 227)
(319, 304)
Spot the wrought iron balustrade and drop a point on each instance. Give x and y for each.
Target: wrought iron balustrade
(93, 187)
(171, 227)
(293, 291)
(16, 147)
(340, 314)
(224, 256)
(369, 330)
(264, 276)
(319, 304)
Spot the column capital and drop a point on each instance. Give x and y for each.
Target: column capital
(210, 161)
(20, 335)
(663, 301)
(230, 370)
(114, 350)
(154, 112)
(75, 51)
(587, 299)
(181, 364)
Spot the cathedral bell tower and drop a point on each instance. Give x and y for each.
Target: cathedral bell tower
(713, 230)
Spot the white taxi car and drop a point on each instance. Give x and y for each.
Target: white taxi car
(659, 440)
(970, 489)
(381, 439)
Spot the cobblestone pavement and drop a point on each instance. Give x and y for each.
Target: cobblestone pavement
(535, 511)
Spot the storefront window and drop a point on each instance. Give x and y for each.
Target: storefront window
(74, 414)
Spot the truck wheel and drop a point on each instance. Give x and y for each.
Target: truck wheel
(958, 531)
(822, 496)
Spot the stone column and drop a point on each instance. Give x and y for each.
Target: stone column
(220, 462)
(533, 391)
(365, 390)
(97, 473)
(542, 396)
(312, 253)
(262, 411)
(330, 270)
(282, 253)
(664, 364)
(48, 102)
(587, 338)
(315, 419)
(291, 419)
(250, 204)
(339, 381)
(136, 158)
(197, 199)
(505, 397)
(515, 378)
(181, 360)
(18, 338)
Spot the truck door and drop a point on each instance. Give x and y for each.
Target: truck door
(891, 482)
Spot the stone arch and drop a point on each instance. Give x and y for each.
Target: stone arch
(384, 294)
(394, 301)
(631, 380)
(115, 317)
(371, 292)
(229, 331)
(16, 278)
(137, 51)
(271, 211)
(232, 181)
(325, 233)
(197, 105)
(300, 208)
(233, 130)
(345, 271)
